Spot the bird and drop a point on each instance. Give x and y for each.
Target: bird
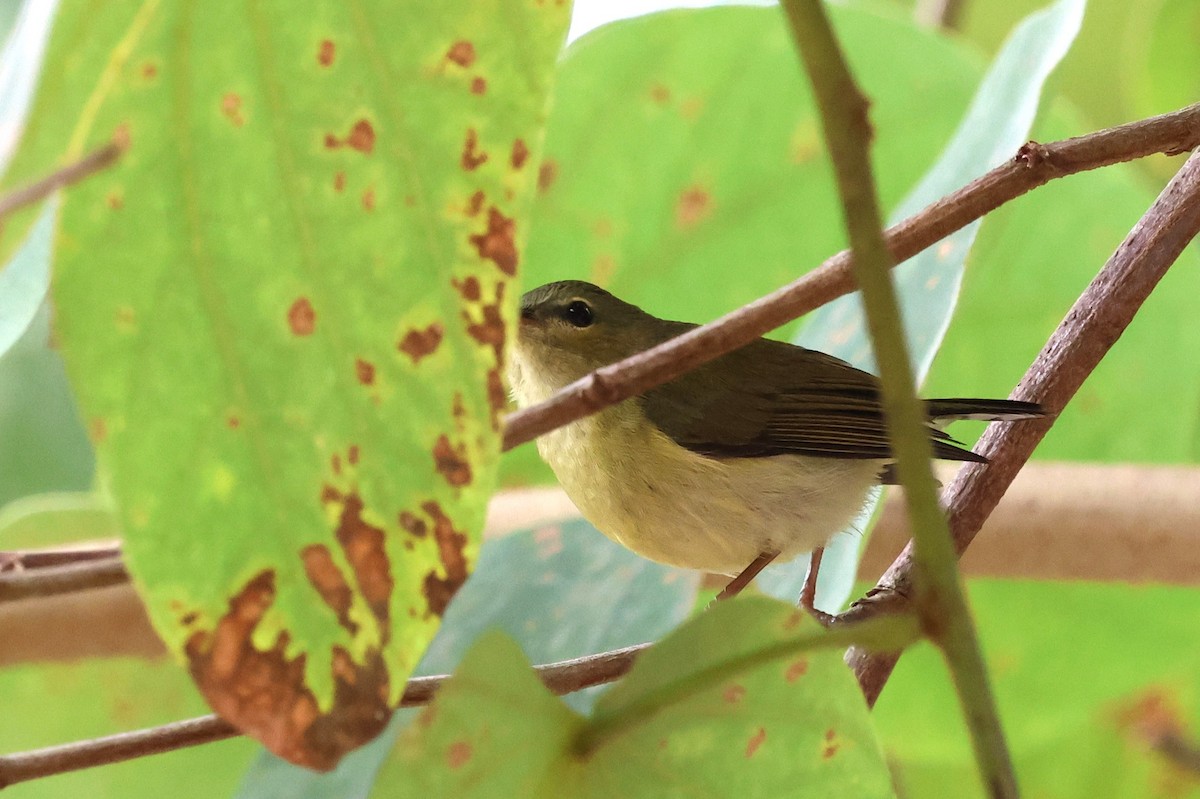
(755, 457)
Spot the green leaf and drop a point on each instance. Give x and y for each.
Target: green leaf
(1085, 675)
(792, 721)
(995, 125)
(284, 311)
(57, 519)
(54, 703)
(561, 591)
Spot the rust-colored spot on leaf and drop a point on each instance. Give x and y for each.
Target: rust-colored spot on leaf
(693, 206)
(450, 542)
(452, 462)
(361, 138)
(234, 422)
(368, 200)
(330, 494)
(796, 670)
(475, 204)
(231, 107)
(339, 182)
(462, 53)
(363, 544)
(1152, 715)
(98, 430)
(734, 693)
(831, 745)
(458, 410)
(660, 94)
(413, 524)
(756, 740)
(478, 86)
(547, 174)
(149, 70)
(263, 693)
(335, 463)
(325, 53)
(498, 243)
(458, 754)
(364, 371)
(352, 454)
(418, 344)
(327, 578)
(472, 156)
(489, 331)
(188, 619)
(520, 154)
(115, 201)
(468, 287)
(497, 397)
(302, 319)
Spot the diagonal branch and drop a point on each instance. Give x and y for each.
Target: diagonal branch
(1034, 165)
(1083, 338)
(69, 174)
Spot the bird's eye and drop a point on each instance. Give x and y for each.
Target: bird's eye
(578, 313)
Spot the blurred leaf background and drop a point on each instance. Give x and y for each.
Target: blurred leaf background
(1079, 669)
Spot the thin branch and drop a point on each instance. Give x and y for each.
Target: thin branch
(562, 677)
(69, 174)
(941, 605)
(51, 580)
(30, 559)
(1034, 165)
(1083, 338)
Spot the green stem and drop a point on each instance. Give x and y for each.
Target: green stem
(940, 600)
(883, 633)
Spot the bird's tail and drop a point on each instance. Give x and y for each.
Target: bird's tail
(948, 410)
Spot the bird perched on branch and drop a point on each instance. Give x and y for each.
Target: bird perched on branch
(759, 455)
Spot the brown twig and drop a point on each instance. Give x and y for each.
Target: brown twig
(562, 677)
(31, 559)
(51, 580)
(1034, 165)
(1087, 333)
(69, 174)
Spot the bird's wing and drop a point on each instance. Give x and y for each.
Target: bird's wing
(738, 406)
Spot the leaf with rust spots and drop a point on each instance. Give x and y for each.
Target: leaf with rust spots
(547, 174)
(364, 371)
(413, 524)
(496, 244)
(451, 462)
(363, 545)
(497, 396)
(490, 331)
(695, 204)
(668, 728)
(264, 694)
(468, 288)
(462, 53)
(418, 344)
(361, 138)
(450, 543)
(327, 578)
(301, 317)
(520, 154)
(268, 308)
(325, 53)
(472, 156)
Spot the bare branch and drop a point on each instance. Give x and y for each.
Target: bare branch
(562, 677)
(1083, 338)
(64, 579)
(1034, 165)
(69, 174)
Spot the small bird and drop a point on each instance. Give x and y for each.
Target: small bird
(759, 455)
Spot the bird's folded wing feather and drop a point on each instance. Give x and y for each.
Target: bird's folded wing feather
(771, 398)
